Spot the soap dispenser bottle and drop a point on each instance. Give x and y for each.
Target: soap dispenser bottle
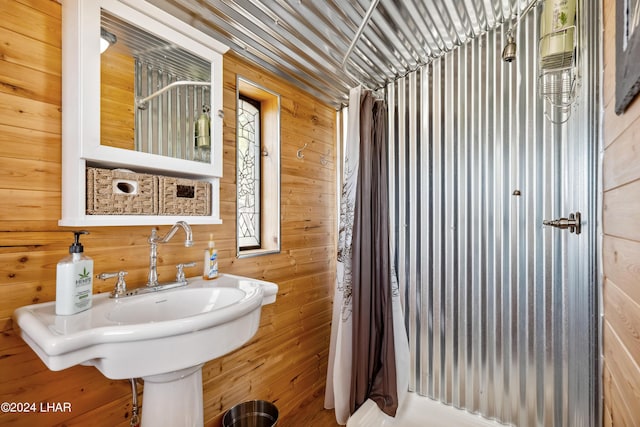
(74, 280)
(210, 267)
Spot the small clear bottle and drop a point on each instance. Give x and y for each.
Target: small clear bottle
(210, 263)
(202, 136)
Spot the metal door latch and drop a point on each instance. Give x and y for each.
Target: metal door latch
(572, 223)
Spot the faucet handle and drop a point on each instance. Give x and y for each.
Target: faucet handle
(180, 277)
(120, 288)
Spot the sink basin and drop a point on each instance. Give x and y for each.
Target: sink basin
(138, 336)
(168, 306)
(164, 337)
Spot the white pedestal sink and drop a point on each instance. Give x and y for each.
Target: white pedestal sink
(163, 337)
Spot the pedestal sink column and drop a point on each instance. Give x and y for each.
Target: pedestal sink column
(173, 399)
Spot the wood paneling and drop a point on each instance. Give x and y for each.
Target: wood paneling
(285, 362)
(621, 260)
(28, 113)
(621, 213)
(621, 247)
(623, 316)
(117, 77)
(622, 159)
(624, 382)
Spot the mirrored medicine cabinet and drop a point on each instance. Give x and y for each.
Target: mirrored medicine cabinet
(151, 103)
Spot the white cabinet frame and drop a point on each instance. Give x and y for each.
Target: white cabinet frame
(81, 110)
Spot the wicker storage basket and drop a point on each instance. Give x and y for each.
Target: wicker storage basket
(178, 196)
(121, 192)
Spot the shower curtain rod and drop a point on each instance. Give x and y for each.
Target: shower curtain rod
(142, 103)
(518, 18)
(513, 23)
(356, 38)
(364, 23)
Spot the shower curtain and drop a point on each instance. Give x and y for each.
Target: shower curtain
(339, 366)
(373, 357)
(367, 318)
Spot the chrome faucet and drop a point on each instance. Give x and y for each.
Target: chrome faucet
(154, 240)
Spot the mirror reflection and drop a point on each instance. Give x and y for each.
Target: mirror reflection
(155, 96)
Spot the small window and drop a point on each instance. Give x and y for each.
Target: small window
(257, 170)
(249, 173)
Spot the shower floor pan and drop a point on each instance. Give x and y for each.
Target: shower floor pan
(418, 411)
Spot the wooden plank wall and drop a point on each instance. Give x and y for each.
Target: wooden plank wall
(621, 246)
(117, 117)
(285, 362)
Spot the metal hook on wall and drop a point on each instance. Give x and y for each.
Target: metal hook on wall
(324, 159)
(299, 153)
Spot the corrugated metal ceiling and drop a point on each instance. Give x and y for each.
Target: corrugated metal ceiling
(305, 41)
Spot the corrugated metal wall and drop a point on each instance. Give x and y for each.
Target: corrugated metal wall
(306, 42)
(166, 125)
(502, 313)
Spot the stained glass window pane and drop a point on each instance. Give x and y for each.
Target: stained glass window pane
(248, 174)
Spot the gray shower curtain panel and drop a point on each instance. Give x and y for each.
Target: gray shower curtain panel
(373, 357)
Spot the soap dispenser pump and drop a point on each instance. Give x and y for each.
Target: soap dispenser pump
(74, 279)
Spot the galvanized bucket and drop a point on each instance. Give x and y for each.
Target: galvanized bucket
(254, 413)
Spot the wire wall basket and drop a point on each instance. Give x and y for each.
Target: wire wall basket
(557, 76)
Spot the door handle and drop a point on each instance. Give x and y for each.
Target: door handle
(572, 223)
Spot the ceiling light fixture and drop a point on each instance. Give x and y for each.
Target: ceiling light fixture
(106, 39)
